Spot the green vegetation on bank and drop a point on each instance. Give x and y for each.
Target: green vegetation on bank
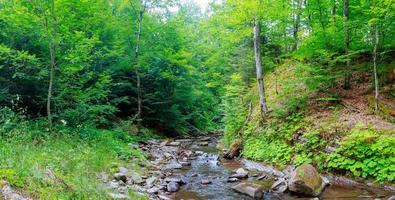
(64, 164)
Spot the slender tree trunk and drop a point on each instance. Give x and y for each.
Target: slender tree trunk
(137, 67)
(334, 8)
(346, 16)
(259, 71)
(296, 24)
(376, 81)
(52, 54)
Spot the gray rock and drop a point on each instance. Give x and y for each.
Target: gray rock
(151, 181)
(206, 182)
(177, 180)
(174, 144)
(154, 190)
(123, 170)
(203, 144)
(113, 184)
(305, 180)
(241, 171)
(121, 177)
(118, 196)
(172, 187)
(251, 190)
(173, 166)
(280, 186)
(261, 177)
(391, 198)
(233, 180)
(136, 178)
(205, 139)
(163, 197)
(185, 163)
(240, 174)
(164, 143)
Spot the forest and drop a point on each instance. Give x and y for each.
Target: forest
(197, 99)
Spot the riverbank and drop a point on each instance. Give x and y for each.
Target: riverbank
(193, 168)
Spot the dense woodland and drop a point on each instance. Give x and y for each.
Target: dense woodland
(290, 81)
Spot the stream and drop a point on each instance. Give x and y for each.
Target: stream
(210, 166)
(192, 169)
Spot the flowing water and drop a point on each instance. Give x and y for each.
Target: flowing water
(209, 166)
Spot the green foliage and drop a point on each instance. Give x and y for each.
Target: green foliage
(234, 108)
(268, 149)
(65, 164)
(366, 153)
(310, 150)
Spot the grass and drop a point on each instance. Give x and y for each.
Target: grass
(62, 165)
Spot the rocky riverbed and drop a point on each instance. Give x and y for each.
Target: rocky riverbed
(192, 169)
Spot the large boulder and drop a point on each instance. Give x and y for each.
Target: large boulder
(306, 180)
(172, 187)
(251, 190)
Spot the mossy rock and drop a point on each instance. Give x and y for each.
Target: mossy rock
(307, 181)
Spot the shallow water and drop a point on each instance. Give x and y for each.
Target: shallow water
(210, 167)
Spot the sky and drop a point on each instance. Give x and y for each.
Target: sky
(203, 3)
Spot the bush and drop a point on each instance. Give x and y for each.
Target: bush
(365, 153)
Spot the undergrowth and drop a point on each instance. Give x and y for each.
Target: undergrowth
(63, 164)
(289, 135)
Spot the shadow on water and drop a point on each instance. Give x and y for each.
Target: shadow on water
(209, 166)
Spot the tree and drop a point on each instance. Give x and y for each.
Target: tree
(259, 71)
(51, 27)
(346, 16)
(376, 81)
(140, 16)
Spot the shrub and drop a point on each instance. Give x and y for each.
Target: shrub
(365, 153)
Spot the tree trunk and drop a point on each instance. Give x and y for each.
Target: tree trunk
(334, 8)
(296, 24)
(52, 54)
(347, 78)
(259, 71)
(376, 81)
(136, 69)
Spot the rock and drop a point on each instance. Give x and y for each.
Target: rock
(391, 198)
(203, 144)
(185, 163)
(172, 187)
(136, 178)
(205, 139)
(177, 180)
(206, 182)
(249, 189)
(163, 197)
(123, 170)
(154, 190)
(233, 180)
(121, 177)
(164, 143)
(118, 196)
(173, 166)
(305, 180)
(113, 184)
(240, 174)
(174, 144)
(241, 171)
(234, 150)
(280, 186)
(194, 175)
(151, 181)
(261, 177)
